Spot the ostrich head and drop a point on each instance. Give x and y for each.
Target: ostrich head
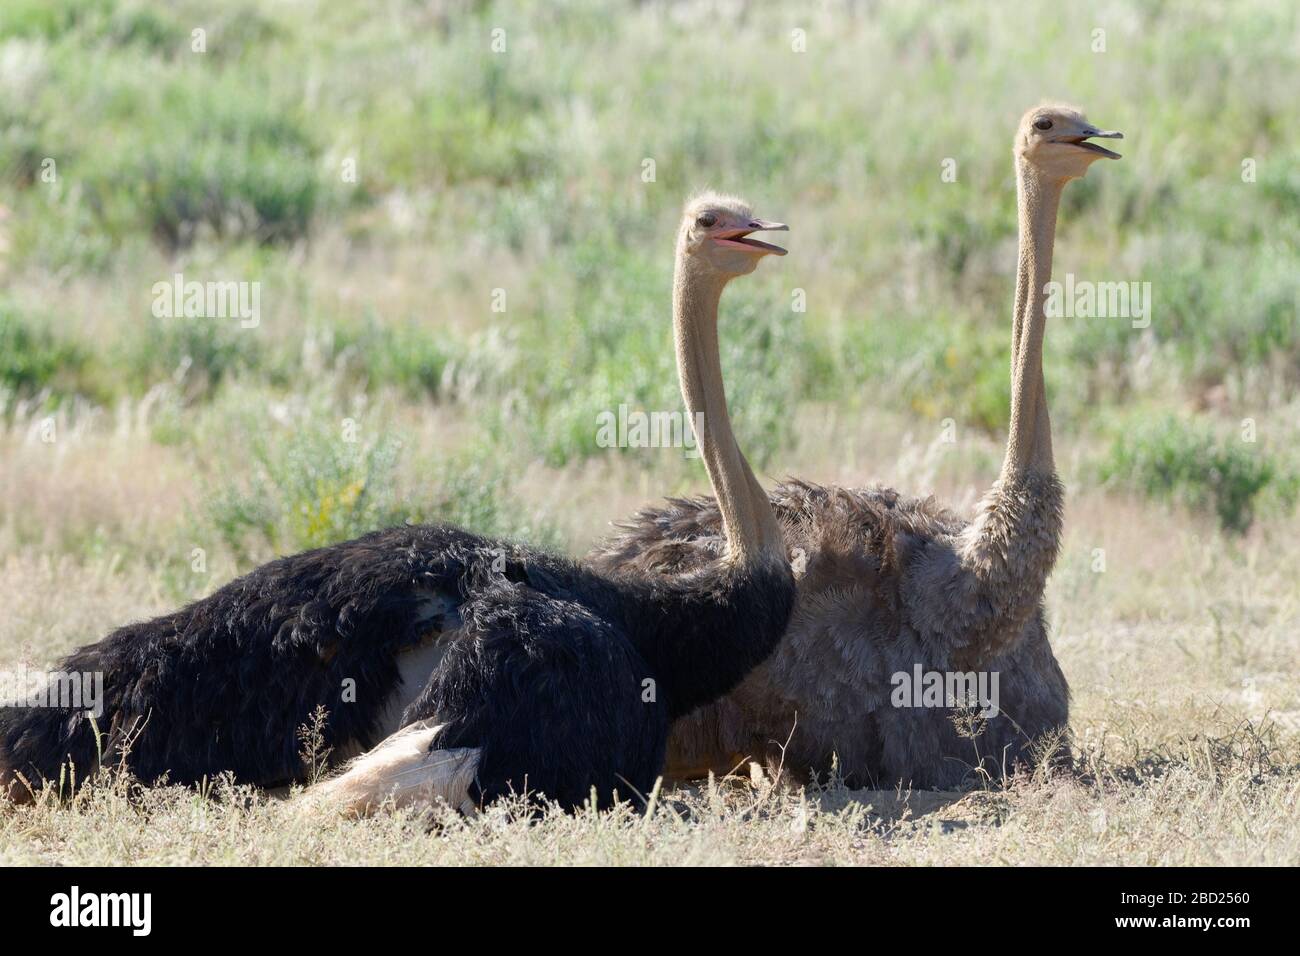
(715, 235)
(1054, 139)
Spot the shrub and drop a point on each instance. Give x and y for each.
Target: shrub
(940, 367)
(32, 358)
(1190, 464)
(199, 354)
(216, 156)
(473, 490)
(407, 356)
(304, 486)
(48, 19)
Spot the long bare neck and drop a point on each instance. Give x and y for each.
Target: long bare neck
(1029, 444)
(979, 605)
(750, 527)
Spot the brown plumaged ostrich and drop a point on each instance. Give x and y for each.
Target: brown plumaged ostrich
(892, 583)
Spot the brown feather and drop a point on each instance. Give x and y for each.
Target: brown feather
(822, 701)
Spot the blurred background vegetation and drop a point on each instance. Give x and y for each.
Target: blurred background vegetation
(522, 170)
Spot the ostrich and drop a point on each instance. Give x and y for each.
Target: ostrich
(510, 669)
(892, 582)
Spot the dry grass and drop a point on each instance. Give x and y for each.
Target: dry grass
(1181, 655)
(1202, 800)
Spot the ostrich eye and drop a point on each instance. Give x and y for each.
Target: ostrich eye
(1043, 124)
(707, 220)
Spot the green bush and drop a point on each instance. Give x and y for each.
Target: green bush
(312, 476)
(146, 25)
(49, 19)
(197, 354)
(450, 139)
(1190, 464)
(940, 366)
(472, 489)
(32, 358)
(21, 150)
(304, 486)
(407, 356)
(213, 156)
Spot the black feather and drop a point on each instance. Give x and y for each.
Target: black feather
(565, 678)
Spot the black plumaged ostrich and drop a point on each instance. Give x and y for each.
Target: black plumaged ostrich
(495, 668)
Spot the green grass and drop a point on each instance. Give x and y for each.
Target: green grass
(521, 169)
(318, 471)
(1196, 466)
(310, 484)
(531, 152)
(403, 356)
(216, 157)
(33, 359)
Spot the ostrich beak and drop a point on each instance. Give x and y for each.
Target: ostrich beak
(738, 237)
(1091, 132)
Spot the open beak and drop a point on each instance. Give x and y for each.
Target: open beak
(1091, 132)
(740, 237)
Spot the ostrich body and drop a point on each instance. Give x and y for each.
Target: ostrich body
(506, 669)
(892, 582)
